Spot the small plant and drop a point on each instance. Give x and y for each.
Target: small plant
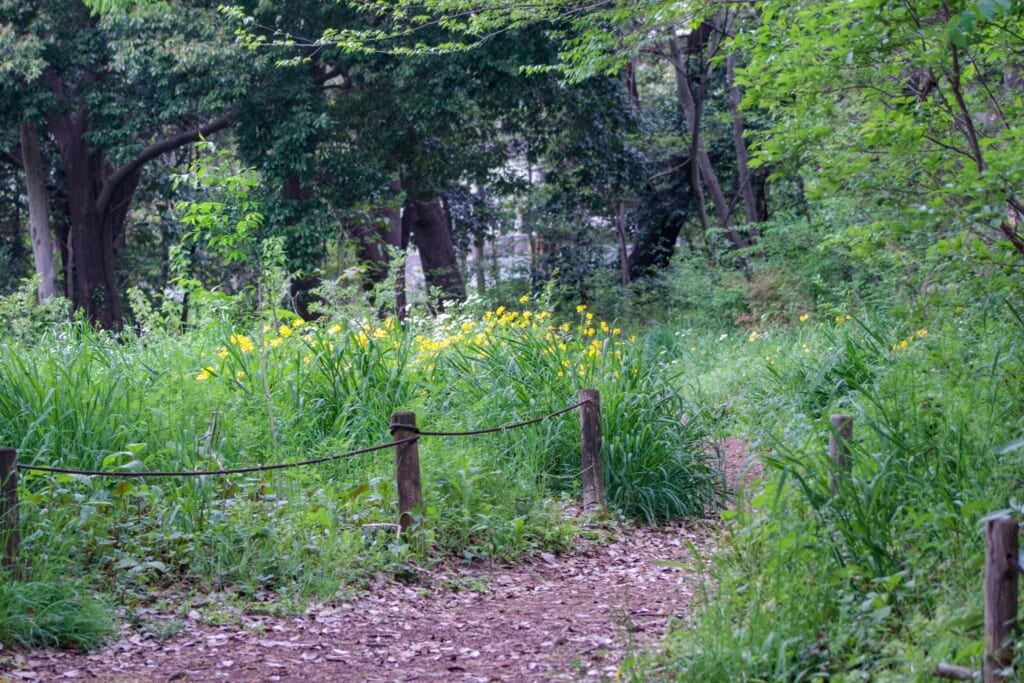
(52, 613)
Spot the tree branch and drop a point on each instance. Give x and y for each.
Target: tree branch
(153, 151)
(10, 158)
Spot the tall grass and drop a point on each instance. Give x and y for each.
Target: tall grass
(216, 397)
(871, 573)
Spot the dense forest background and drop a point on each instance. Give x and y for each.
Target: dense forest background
(234, 236)
(757, 157)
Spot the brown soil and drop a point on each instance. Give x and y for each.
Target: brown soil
(572, 617)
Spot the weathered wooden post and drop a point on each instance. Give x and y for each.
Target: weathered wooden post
(590, 444)
(839, 446)
(1001, 570)
(9, 505)
(407, 467)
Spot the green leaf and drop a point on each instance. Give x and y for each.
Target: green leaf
(956, 36)
(987, 8)
(968, 20)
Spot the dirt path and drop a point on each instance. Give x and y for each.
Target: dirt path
(572, 617)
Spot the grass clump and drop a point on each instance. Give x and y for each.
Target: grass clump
(52, 613)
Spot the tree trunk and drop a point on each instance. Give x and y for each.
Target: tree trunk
(655, 240)
(38, 212)
(375, 235)
(92, 234)
(99, 198)
(750, 207)
(620, 228)
(691, 107)
(478, 264)
(426, 223)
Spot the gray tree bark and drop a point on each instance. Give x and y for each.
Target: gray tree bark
(38, 212)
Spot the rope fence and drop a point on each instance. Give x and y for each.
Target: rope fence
(207, 473)
(502, 428)
(405, 438)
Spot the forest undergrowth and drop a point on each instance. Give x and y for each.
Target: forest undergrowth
(871, 574)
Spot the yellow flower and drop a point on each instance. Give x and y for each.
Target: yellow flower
(590, 316)
(239, 375)
(284, 331)
(839, 318)
(466, 327)
(276, 341)
(591, 332)
(499, 310)
(922, 332)
(298, 322)
(242, 342)
(581, 308)
(616, 331)
(804, 318)
(564, 327)
(632, 338)
(334, 329)
(904, 344)
(524, 298)
(203, 376)
(753, 337)
(604, 326)
(223, 353)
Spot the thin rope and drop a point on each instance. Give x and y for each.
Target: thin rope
(395, 427)
(302, 463)
(207, 473)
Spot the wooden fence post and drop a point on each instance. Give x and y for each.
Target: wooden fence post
(839, 446)
(1001, 570)
(590, 445)
(407, 467)
(9, 506)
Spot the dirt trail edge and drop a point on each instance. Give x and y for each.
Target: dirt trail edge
(571, 617)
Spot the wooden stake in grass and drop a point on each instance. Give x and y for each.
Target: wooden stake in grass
(839, 446)
(1001, 569)
(407, 467)
(590, 443)
(9, 505)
